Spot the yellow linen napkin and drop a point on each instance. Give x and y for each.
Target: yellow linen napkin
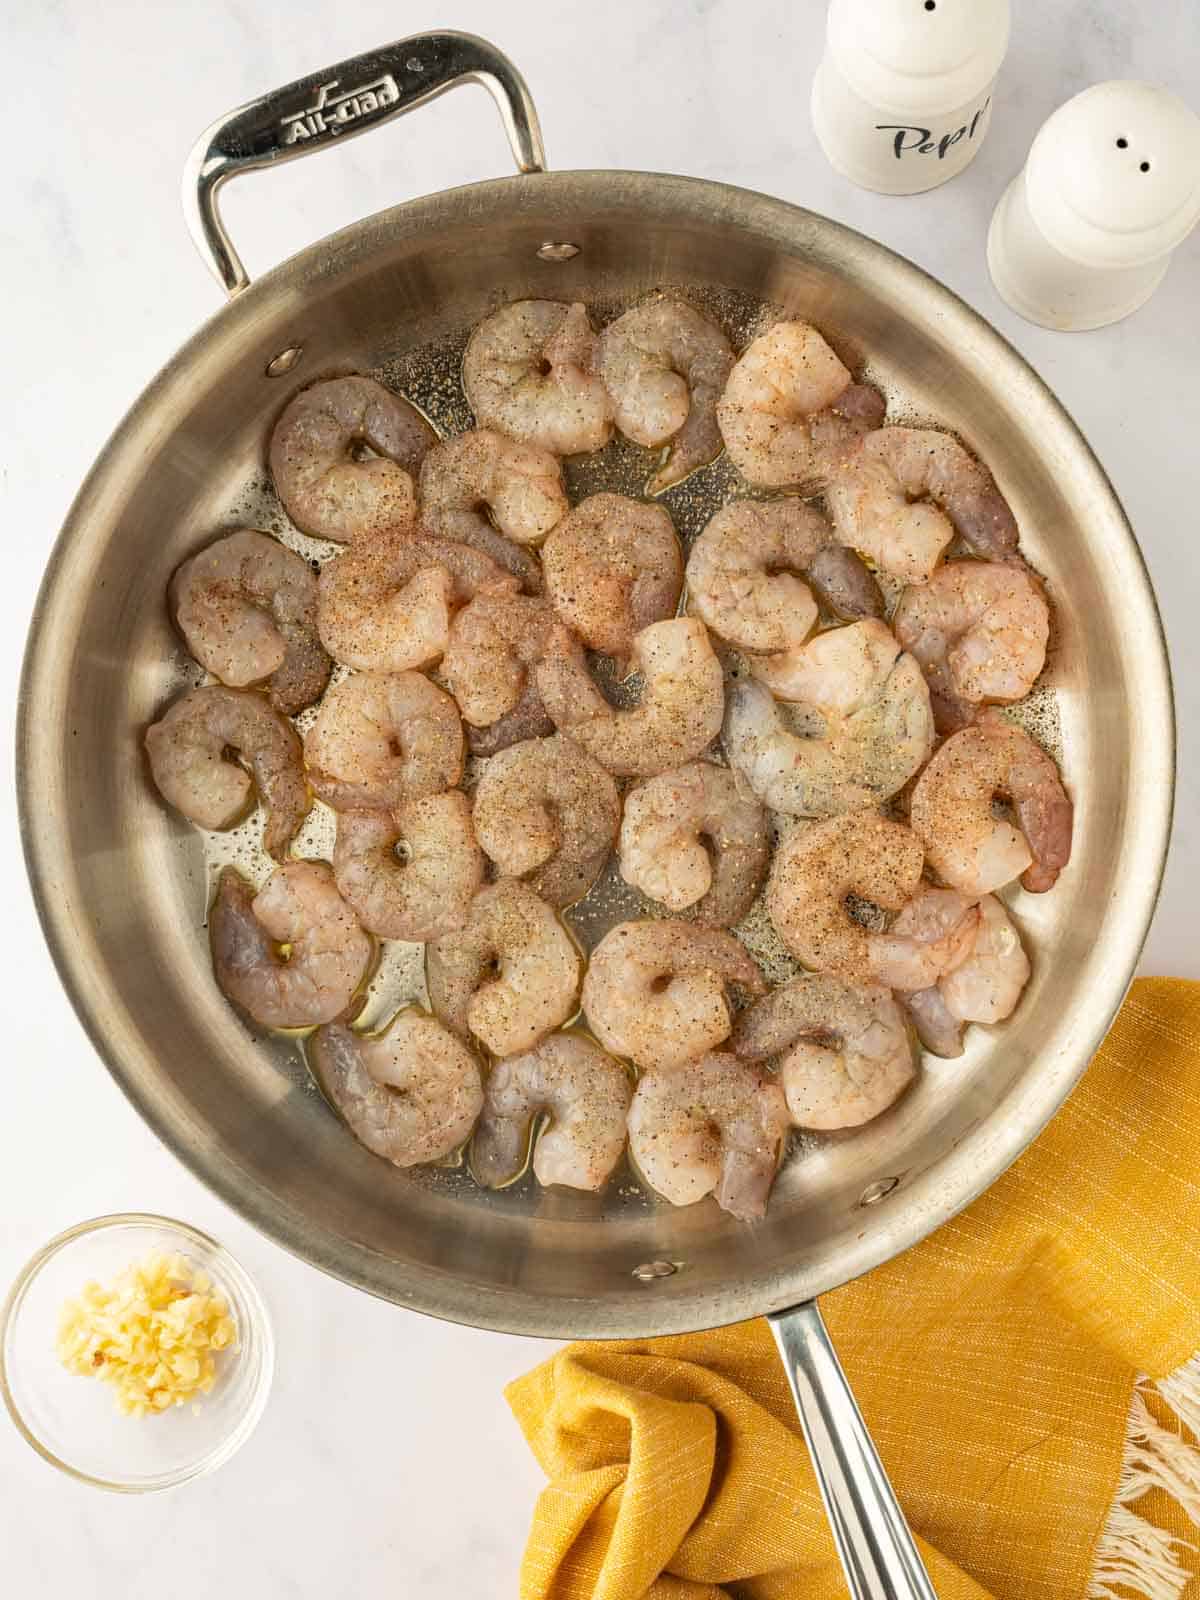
(997, 1365)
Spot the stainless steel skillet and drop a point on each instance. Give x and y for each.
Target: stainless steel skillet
(121, 885)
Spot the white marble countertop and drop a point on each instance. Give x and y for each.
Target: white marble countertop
(387, 1462)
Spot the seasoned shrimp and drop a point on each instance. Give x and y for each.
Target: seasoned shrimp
(665, 367)
(969, 847)
(656, 991)
(547, 813)
(679, 715)
(511, 976)
(900, 494)
(782, 380)
(691, 839)
(979, 630)
(381, 738)
(984, 985)
(292, 955)
(494, 645)
(428, 892)
(327, 488)
(189, 761)
(846, 1054)
(743, 574)
(584, 1093)
(520, 484)
(529, 370)
(861, 854)
(411, 1093)
(613, 565)
(247, 606)
(877, 724)
(713, 1126)
(385, 606)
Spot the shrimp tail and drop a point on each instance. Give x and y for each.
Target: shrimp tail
(861, 403)
(938, 1029)
(500, 1149)
(845, 583)
(744, 1184)
(984, 519)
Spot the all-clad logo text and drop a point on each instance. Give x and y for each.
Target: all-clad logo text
(333, 112)
(923, 141)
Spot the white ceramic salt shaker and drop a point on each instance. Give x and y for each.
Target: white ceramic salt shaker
(1084, 234)
(903, 96)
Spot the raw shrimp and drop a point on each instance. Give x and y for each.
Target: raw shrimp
(385, 606)
(520, 484)
(547, 813)
(692, 841)
(782, 380)
(969, 847)
(189, 761)
(984, 985)
(979, 630)
(584, 1093)
(247, 607)
(713, 1126)
(530, 371)
(656, 991)
(846, 1053)
(381, 738)
(511, 976)
(841, 672)
(665, 367)
(933, 933)
(410, 1093)
(742, 574)
(493, 647)
(877, 724)
(900, 494)
(292, 955)
(613, 565)
(326, 486)
(682, 702)
(817, 867)
(428, 891)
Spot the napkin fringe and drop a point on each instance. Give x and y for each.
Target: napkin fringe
(1133, 1553)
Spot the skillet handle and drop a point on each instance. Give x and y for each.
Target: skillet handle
(880, 1558)
(344, 100)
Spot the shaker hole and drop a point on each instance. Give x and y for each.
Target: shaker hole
(931, 5)
(1145, 167)
(1122, 144)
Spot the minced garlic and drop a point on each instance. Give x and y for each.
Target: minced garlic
(151, 1334)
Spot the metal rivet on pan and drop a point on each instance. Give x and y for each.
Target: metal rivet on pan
(874, 1192)
(284, 361)
(550, 251)
(649, 1270)
(414, 64)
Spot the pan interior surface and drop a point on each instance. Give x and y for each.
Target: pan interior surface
(122, 884)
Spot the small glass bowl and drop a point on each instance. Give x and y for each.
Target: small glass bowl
(74, 1422)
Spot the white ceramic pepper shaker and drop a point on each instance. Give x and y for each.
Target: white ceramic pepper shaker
(903, 96)
(1084, 234)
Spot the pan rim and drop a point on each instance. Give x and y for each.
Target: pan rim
(951, 1184)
